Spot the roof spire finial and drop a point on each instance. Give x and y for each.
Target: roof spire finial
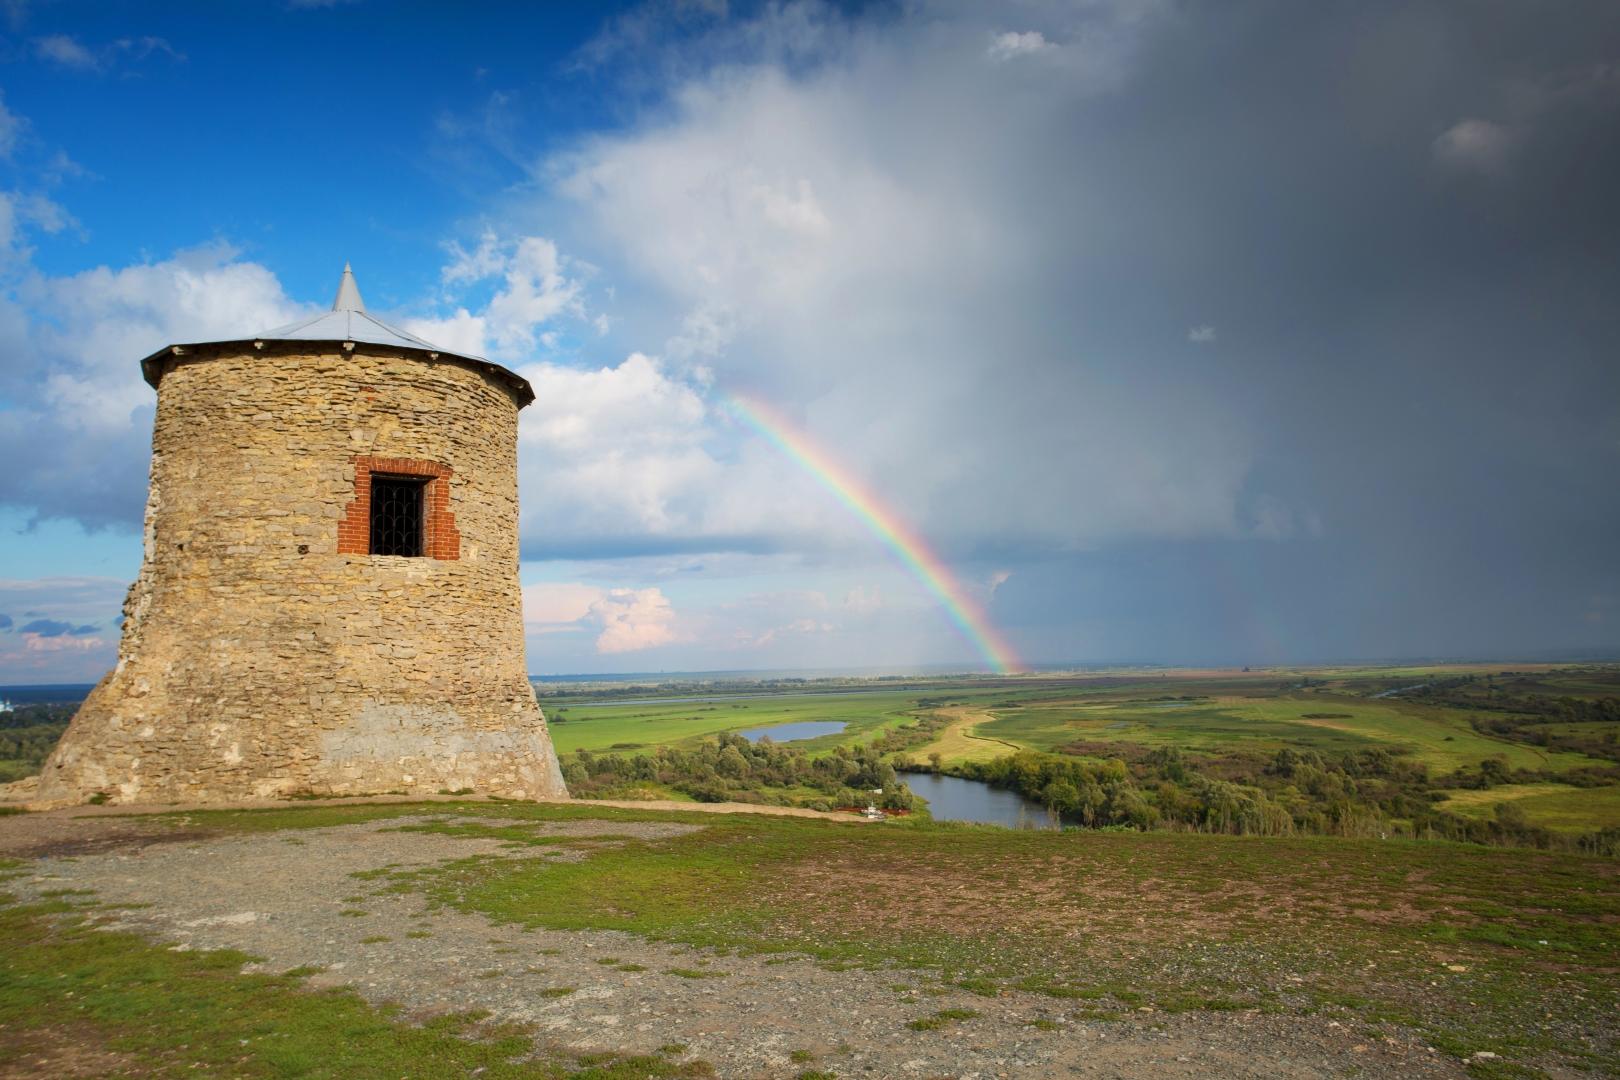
(348, 294)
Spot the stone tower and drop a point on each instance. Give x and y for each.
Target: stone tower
(329, 600)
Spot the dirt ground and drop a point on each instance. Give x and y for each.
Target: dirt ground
(291, 899)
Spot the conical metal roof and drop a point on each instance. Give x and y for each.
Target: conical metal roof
(348, 321)
(348, 297)
(346, 324)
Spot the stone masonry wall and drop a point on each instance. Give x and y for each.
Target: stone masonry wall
(261, 659)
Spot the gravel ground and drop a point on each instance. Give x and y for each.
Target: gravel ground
(287, 897)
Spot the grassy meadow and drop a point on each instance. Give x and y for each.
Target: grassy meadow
(640, 725)
(1222, 722)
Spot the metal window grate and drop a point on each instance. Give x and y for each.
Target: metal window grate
(396, 516)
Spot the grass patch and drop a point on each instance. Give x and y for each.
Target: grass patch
(147, 1010)
(942, 1018)
(1560, 807)
(1173, 921)
(982, 987)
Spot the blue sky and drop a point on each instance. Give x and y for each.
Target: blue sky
(1239, 334)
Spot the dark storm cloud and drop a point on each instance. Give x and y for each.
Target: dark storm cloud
(1422, 336)
(1256, 327)
(5, 622)
(47, 628)
(1426, 342)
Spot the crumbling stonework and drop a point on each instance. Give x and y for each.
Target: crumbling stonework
(264, 653)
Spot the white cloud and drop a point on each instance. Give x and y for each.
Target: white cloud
(554, 605)
(1476, 145)
(632, 404)
(705, 332)
(68, 371)
(633, 620)
(845, 243)
(623, 620)
(65, 50)
(11, 128)
(113, 317)
(461, 332)
(862, 600)
(1272, 519)
(1012, 44)
(1527, 108)
(622, 452)
(633, 458)
(536, 292)
(798, 627)
(533, 290)
(486, 260)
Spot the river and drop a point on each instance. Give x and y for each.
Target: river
(795, 731)
(951, 798)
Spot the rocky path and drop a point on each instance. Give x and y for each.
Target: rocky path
(291, 899)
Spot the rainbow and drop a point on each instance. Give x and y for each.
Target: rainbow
(910, 548)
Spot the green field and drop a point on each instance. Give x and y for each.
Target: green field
(1555, 806)
(1441, 738)
(1447, 719)
(639, 726)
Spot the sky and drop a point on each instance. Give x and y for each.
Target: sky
(1242, 333)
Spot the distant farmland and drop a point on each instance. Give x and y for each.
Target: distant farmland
(1462, 740)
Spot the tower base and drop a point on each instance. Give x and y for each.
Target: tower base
(121, 749)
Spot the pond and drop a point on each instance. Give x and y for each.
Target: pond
(950, 798)
(797, 731)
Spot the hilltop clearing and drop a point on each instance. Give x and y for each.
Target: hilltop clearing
(558, 939)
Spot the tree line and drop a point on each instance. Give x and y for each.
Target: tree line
(28, 733)
(732, 769)
(1366, 793)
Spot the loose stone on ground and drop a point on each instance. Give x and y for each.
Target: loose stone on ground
(244, 892)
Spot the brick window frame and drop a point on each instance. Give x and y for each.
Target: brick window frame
(440, 539)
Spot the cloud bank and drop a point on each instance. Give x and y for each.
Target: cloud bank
(981, 256)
